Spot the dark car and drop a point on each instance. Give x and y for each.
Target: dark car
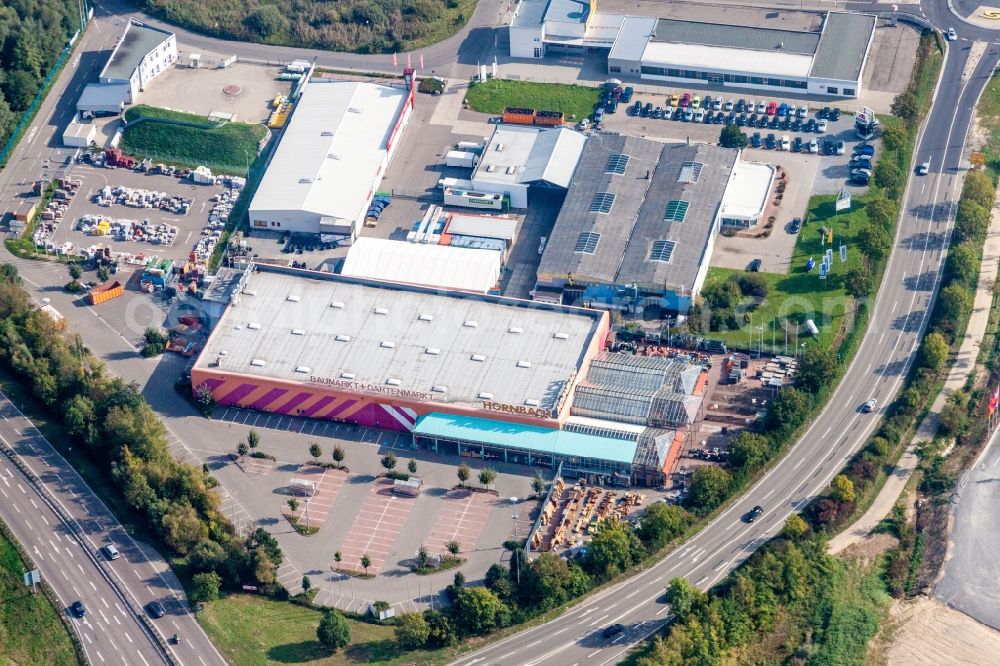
(829, 147)
(755, 140)
(796, 125)
(862, 161)
(657, 113)
(762, 121)
(730, 118)
(627, 94)
(785, 123)
(741, 105)
(741, 120)
(646, 110)
(155, 610)
(795, 226)
(810, 125)
(864, 149)
(823, 113)
(635, 108)
(797, 145)
(720, 118)
(753, 266)
(612, 106)
(775, 122)
(78, 609)
(614, 630)
(834, 115)
(770, 142)
(753, 514)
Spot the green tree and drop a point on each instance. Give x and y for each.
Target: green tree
(749, 450)
(182, 528)
(487, 476)
(859, 282)
(306, 584)
(894, 137)
(842, 488)
(477, 610)
(905, 106)
(205, 587)
(889, 177)
(412, 466)
(338, 455)
(412, 631)
(441, 631)
(752, 284)
(538, 483)
(103, 274)
(934, 351)
(422, 556)
(817, 368)
(882, 211)
(389, 461)
(333, 631)
(874, 242)
(709, 486)
(613, 549)
(366, 562)
(75, 272)
(788, 409)
(315, 451)
(685, 599)
(253, 439)
(971, 220)
(453, 547)
(660, 523)
(242, 450)
(979, 188)
(795, 527)
(338, 557)
(549, 581)
(267, 21)
(953, 305)
(463, 474)
(963, 264)
(293, 504)
(20, 87)
(79, 417)
(154, 341)
(732, 136)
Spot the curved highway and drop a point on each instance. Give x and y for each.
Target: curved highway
(898, 319)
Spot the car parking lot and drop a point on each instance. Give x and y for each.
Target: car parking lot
(188, 225)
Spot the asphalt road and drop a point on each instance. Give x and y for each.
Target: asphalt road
(114, 592)
(877, 371)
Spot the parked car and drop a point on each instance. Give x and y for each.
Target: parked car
(774, 123)
(821, 126)
(796, 125)
(795, 226)
(717, 104)
(864, 149)
(813, 146)
(797, 145)
(755, 140)
(657, 113)
(730, 118)
(770, 142)
(810, 125)
(675, 100)
(783, 110)
(612, 106)
(762, 106)
(707, 102)
(741, 106)
(646, 110)
(772, 108)
(627, 94)
(741, 120)
(803, 111)
(685, 100)
(786, 143)
(729, 105)
(834, 115)
(840, 147)
(720, 117)
(823, 113)
(688, 114)
(754, 266)
(699, 115)
(636, 108)
(861, 161)
(696, 101)
(762, 121)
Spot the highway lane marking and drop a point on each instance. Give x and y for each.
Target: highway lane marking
(54, 547)
(92, 585)
(540, 659)
(120, 609)
(87, 636)
(769, 493)
(599, 619)
(533, 644)
(797, 465)
(117, 621)
(591, 655)
(629, 596)
(30, 528)
(662, 611)
(16, 508)
(48, 523)
(4, 492)
(105, 604)
(201, 660)
(22, 489)
(504, 656)
(143, 658)
(63, 574)
(702, 580)
(125, 633)
(104, 617)
(556, 633)
(80, 568)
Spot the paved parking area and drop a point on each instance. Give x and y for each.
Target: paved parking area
(376, 527)
(315, 509)
(256, 466)
(315, 427)
(462, 519)
(189, 226)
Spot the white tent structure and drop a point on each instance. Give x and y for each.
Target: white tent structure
(442, 266)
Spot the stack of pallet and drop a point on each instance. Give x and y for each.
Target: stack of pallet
(562, 532)
(552, 505)
(587, 512)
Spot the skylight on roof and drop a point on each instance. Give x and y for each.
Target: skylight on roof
(662, 250)
(602, 203)
(690, 172)
(676, 210)
(616, 164)
(587, 242)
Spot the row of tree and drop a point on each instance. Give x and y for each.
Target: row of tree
(32, 34)
(111, 422)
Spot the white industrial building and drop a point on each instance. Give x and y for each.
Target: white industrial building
(746, 195)
(333, 154)
(142, 54)
(804, 52)
(79, 133)
(520, 157)
(426, 265)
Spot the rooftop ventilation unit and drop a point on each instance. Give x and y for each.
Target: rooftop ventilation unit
(524, 364)
(499, 148)
(468, 323)
(392, 381)
(439, 389)
(253, 326)
(305, 180)
(433, 351)
(387, 344)
(293, 298)
(298, 331)
(333, 156)
(515, 329)
(347, 375)
(510, 170)
(381, 311)
(343, 338)
(249, 292)
(258, 363)
(561, 336)
(426, 317)
(237, 327)
(490, 168)
(531, 402)
(485, 396)
(304, 369)
(355, 109)
(339, 305)
(326, 133)
(479, 358)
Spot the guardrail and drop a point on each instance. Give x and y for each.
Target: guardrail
(123, 593)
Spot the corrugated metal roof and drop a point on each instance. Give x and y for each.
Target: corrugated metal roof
(843, 46)
(103, 97)
(536, 154)
(529, 438)
(331, 150)
(481, 225)
(443, 266)
(736, 36)
(139, 39)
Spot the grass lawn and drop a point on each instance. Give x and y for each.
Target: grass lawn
(251, 630)
(30, 629)
(989, 121)
(801, 295)
(185, 139)
(494, 95)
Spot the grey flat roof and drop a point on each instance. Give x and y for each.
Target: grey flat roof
(530, 13)
(636, 221)
(843, 46)
(632, 38)
(138, 40)
(736, 36)
(288, 321)
(223, 286)
(103, 97)
(567, 11)
(694, 234)
(602, 263)
(532, 154)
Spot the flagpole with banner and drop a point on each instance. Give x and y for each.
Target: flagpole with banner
(994, 401)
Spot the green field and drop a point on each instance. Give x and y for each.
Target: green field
(253, 631)
(30, 629)
(494, 95)
(801, 295)
(189, 140)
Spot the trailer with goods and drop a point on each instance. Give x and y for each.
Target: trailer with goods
(409, 487)
(113, 157)
(468, 199)
(518, 116)
(554, 118)
(105, 292)
(461, 158)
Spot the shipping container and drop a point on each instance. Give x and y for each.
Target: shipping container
(460, 158)
(549, 118)
(105, 292)
(519, 116)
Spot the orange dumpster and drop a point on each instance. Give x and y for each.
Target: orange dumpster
(105, 292)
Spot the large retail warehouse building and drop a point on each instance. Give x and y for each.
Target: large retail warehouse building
(476, 375)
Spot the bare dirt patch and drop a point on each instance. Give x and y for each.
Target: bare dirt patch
(867, 550)
(925, 632)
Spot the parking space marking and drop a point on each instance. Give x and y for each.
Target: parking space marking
(376, 527)
(461, 519)
(328, 483)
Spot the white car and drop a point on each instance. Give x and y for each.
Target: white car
(717, 104)
(813, 146)
(792, 109)
(699, 116)
(730, 104)
(924, 169)
(869, 406)
(821, 126)
(840, 147)
(786, 143)
(950, 35)
(584, 124)
(803, 111)
(762, 107)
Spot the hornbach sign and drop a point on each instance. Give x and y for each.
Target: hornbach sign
(538, 412)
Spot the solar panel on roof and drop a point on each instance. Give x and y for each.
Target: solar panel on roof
(662, 250)
(587, 242)
(676, 210)
(602, 203)
(616, 164)
(690, 172)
